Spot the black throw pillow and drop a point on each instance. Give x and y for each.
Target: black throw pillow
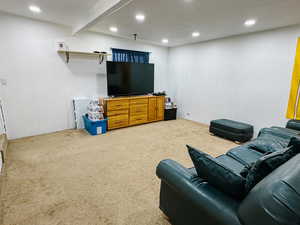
(267, 164)
(217, 175)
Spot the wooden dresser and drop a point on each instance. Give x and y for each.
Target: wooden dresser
(129, 111)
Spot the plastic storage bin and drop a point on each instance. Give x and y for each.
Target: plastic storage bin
(94, 127)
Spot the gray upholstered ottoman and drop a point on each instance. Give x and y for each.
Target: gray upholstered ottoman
(232, 130)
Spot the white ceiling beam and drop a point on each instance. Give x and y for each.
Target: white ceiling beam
(99, 11)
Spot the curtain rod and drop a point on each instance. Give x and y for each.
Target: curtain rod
(129, 50)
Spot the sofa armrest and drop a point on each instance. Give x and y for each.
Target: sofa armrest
(293, 124)
(275, 199)
(171, 171)
(186, 190)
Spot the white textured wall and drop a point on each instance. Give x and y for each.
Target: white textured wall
(40, 85)
(244, 78)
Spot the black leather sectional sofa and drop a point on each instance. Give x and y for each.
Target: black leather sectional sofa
(187, 199)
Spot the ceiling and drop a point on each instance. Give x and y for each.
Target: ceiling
(65, 12)
(171, 19)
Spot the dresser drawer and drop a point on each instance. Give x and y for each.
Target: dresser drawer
(118, 112)
(138, 109)
(117, 121)
(117, 105)
(139, 101)
(138, 119)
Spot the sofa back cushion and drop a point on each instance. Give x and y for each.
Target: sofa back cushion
(266, 142)
(293, 124)
(217, 174)
(278, 133)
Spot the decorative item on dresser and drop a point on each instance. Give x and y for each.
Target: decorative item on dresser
(129, 111)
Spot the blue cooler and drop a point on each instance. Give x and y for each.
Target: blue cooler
(94, 127)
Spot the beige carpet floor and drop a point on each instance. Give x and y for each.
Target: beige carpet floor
(72, 178)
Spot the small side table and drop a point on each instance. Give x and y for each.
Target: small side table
(170, 114)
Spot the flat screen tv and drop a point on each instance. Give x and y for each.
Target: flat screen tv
(125, 79)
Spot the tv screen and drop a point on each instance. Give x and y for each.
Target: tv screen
(125, 79)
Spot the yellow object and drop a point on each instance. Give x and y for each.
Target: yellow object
(293, 110)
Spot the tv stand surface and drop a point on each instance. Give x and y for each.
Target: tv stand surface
(133, 110)
(131, 96)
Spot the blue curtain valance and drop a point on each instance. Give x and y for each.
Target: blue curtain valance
(123, 55)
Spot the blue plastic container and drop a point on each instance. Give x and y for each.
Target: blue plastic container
(94, 127)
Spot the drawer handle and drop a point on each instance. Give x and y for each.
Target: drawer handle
(118, 122)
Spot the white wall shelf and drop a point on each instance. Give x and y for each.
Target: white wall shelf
(68, 53)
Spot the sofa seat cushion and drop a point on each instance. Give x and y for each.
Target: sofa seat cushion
(218, 174)
(244, 154)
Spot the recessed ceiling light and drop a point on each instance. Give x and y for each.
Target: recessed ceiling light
(165, 41)
(113, 29)
(140, 17)
(250, 23)
(195, 34)
(35, 9)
